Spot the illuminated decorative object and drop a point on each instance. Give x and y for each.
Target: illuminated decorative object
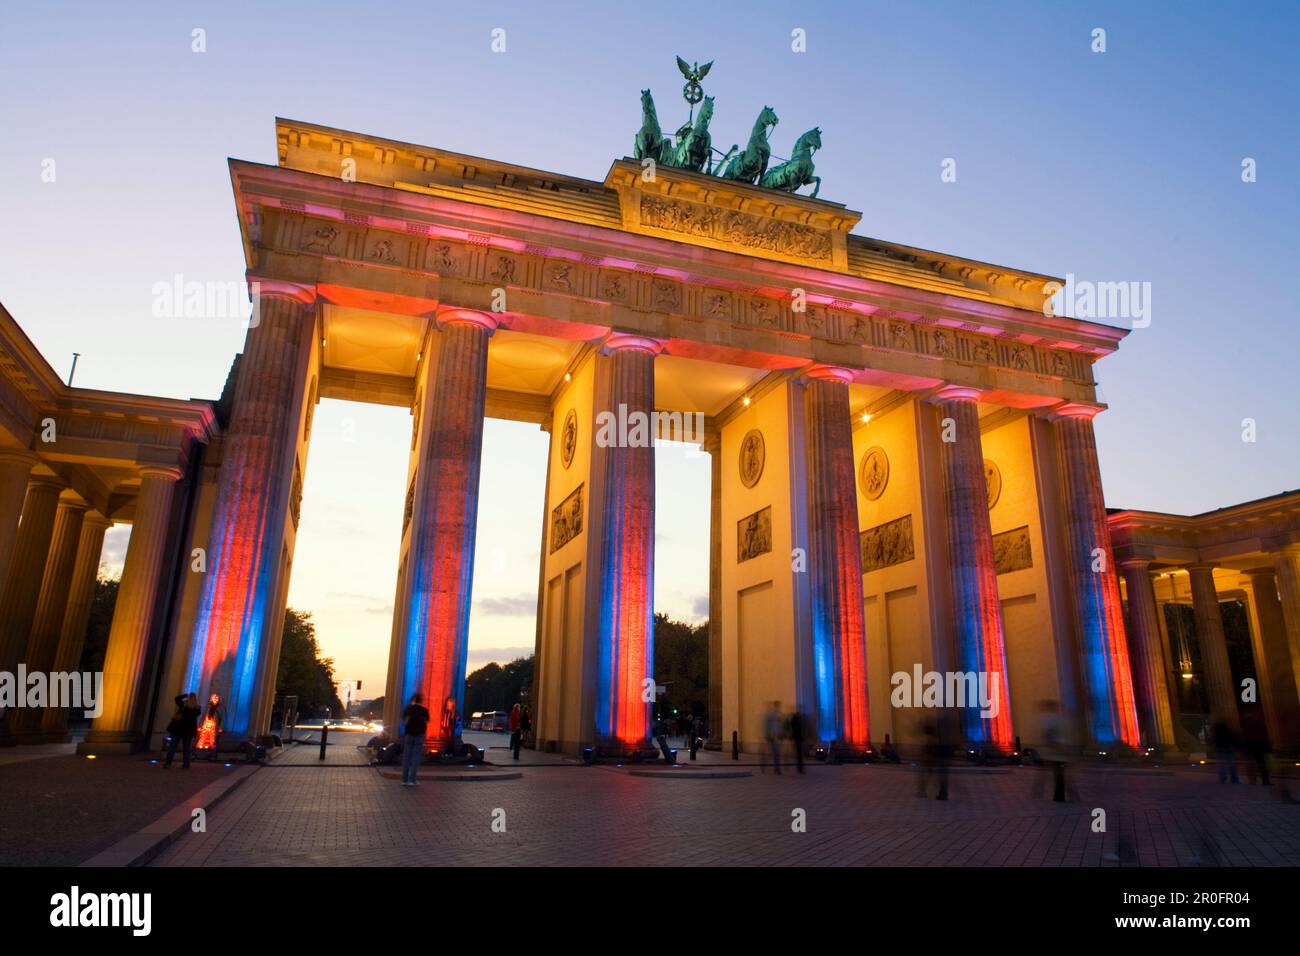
(873, 473)
(569, 438)
(993, 481)
(887, 544)
(754, 535)
(566, 520)
(1012, 550)
(753, 456)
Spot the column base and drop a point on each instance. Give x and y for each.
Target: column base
(843, 752)
(643, 751)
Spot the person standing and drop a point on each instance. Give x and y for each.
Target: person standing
(772, 726)
(796, 737)
(516, 730)
(415, 724)
(184, 725)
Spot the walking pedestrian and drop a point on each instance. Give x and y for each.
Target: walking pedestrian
(184, 725)
(415, 724)
(516, 729)
(772, 726)
(796, 737)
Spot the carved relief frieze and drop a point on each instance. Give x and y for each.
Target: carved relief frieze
(1012, 550)
(566, 520)
(887, 544)
(734, 227)
(754, 535)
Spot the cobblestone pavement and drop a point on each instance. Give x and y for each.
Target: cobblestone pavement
(292, 813)
(61, 810)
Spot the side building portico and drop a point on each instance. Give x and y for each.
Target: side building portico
(73, 462)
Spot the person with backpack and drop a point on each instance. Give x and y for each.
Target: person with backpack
(415, 724)
(182, 729)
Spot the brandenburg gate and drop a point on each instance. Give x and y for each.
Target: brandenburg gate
(904, 473)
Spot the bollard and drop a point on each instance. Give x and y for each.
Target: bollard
(324, 736)
(735, 745)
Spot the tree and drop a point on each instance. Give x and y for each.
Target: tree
(682, 666)
(99, 624)
(493, 687)
(303, 672)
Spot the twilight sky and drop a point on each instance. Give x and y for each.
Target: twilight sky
(1117, 166)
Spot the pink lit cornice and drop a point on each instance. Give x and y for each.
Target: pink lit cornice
(355, 298)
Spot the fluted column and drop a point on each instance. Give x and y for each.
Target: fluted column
(1277, 668)
(15, 470)
(81, 595)
(835, 563)
(1219, 686)
(444, 516)
(1107, 672)
(625, 641)
(233, 631)
(1286, 565)
(976, 607)
(1148, 655)
(22, 588)
(133, 615)
(43, 643)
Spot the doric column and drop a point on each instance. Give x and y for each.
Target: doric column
(81, 595)
(1286, 565)
(22, 588)
(835, 563)
(1210, 638)
(15, 470)
(133, 615)
(1148, 655)
(440, 562)
(233, 630)
(976, 608)
(1277, 669)
(43, 643)
(713, 445)
(625, 640)
(1107, 673)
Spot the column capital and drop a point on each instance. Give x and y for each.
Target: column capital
(260, 286)
(73, 504)
(1200, 567)
(18, 456)
(1134, 563)
(94, 519)
(47, 481)
(617, 341)
(1291, 550)
(169, 472)
(453, 315)
(1074, 410)
(830, 373)
(956, 393)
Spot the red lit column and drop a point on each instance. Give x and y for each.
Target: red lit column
(444, 517)
(835, 562)
(625, 656)
(1149, 668)
(234, 631)
(118, 727)
(1219, 686)
(1108, 676)
(976, 608)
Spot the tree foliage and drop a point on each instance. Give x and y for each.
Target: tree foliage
(682, 666)
(303, 672)
(493, 687)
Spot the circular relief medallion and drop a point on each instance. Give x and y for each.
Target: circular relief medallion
(873, 473)
(569, 438)
(993, 480)
(753, 455)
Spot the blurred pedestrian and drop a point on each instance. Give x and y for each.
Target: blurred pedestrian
(773, 724)
(516, 729)
(182, 729)
(1225, 741)
(415, 724)
(796, 738)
